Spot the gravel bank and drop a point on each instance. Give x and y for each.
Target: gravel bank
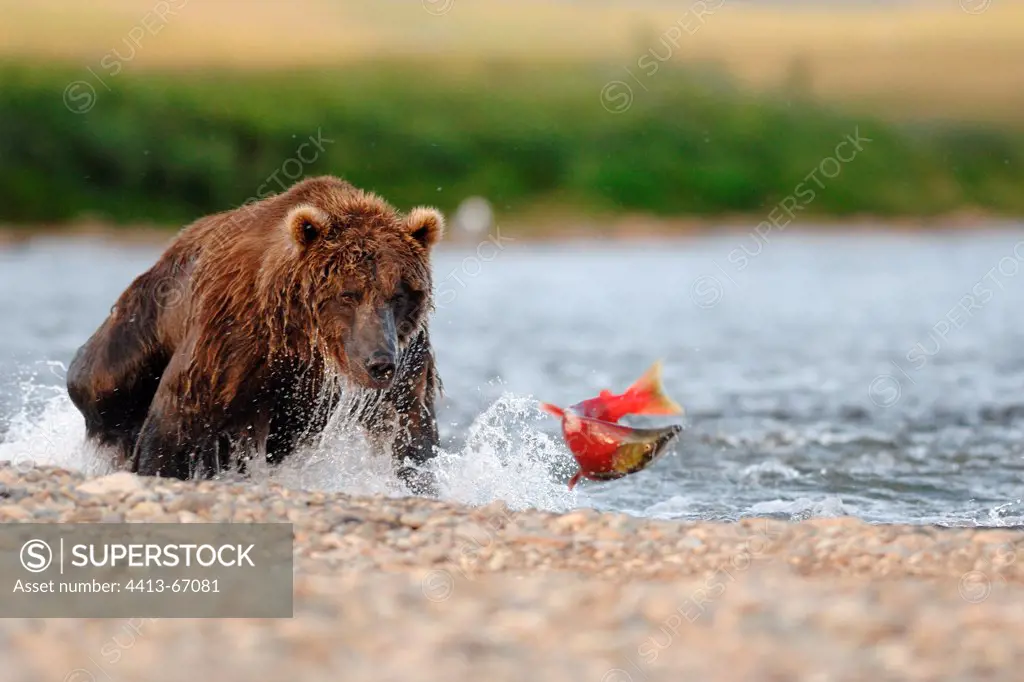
(410, 589)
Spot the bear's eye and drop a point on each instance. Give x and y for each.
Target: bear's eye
(309, 231)
(350, 296)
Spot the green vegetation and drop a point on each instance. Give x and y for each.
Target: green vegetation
(167, 147)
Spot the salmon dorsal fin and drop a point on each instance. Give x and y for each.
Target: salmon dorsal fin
(651, 394)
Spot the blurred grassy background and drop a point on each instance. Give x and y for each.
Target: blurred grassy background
(198, 102)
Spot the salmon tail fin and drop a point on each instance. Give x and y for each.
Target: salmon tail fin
(650, 394)
(553, 410)
(575, 479)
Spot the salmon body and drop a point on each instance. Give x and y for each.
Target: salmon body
(606, 450)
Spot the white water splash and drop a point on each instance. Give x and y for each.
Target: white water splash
(1009, 514)
(768, 472)
(505, 457)
(48, 430)
(831, 506)
(675, 507)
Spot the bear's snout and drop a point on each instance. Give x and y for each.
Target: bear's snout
(372, 347)
(381, 367)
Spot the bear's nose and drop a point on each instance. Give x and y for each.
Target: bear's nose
(381, 367)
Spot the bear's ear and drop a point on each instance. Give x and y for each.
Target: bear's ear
(425, 225)
(306, 224)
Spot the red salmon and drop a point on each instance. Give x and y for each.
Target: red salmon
(606, 450)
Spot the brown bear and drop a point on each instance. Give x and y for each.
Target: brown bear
(245, 335)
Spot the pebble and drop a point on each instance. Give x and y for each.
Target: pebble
(527, 594)
(144, 511)
(13, 513)
(121, 483)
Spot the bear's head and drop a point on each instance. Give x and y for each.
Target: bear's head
(360, 276)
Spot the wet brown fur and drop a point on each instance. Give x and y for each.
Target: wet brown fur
(229, 343)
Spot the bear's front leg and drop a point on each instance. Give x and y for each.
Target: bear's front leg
(179, 438)
(163, 452)
(404, 423)
(172, 447)
(409, 437)
(414, 444)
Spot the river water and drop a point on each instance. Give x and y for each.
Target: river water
(871, 374)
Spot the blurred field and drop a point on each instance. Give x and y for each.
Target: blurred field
(162, 110)
(922, 59)
(162, 147)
